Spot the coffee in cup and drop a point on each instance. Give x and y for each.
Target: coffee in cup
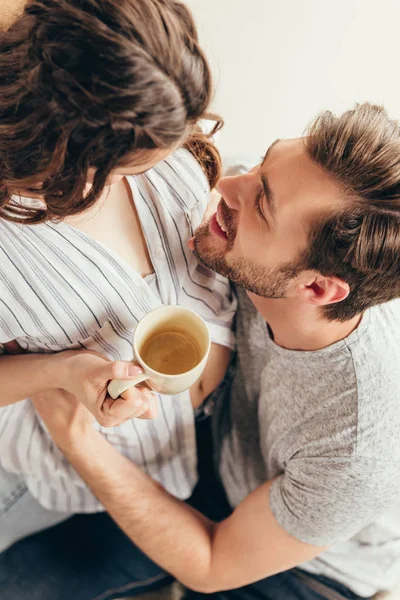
(171, 344)
(171, 352)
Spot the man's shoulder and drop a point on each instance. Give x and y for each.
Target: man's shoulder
(375, 349)
(376, 358)
(387, 313)
(344, 398)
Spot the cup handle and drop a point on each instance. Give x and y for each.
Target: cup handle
(118, 386)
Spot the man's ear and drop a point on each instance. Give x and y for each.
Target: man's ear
(320, 291)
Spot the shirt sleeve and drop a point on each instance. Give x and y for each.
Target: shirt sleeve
(211, 296)
(202, 290)
(326, 500)
(10, 326)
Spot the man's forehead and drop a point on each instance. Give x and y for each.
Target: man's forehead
(291, 146)
(291, 173)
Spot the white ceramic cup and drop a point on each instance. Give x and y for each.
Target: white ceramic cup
(177, 318)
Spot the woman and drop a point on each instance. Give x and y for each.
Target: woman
(93, 92)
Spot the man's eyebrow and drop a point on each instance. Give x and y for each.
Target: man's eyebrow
(269, 150)
(269, 196)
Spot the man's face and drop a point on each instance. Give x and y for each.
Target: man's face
(263, 221)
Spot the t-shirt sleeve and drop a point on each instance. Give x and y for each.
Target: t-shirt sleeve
(326, 500)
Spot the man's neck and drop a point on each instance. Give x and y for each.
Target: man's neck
(301, 327)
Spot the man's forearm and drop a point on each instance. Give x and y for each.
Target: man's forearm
(171, 533)
(25, 375)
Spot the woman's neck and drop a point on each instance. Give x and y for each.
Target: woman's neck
(10, 10)
(114, 222)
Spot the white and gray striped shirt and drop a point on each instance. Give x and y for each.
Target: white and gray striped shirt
(62, 289)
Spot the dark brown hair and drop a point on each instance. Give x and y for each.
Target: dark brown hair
(95, 84)
(360, 243)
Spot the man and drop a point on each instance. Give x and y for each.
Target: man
(307, 445)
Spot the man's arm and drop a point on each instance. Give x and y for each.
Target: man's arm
(203, 555)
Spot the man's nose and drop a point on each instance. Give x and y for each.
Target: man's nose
(229, 188)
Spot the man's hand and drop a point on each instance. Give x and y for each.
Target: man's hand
(69, 421)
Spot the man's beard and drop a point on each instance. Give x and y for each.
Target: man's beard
(254, 278)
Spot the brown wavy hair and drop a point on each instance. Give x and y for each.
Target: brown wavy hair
(360, 242)
(95, 84)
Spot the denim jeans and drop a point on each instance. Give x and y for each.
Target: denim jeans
(20, 513)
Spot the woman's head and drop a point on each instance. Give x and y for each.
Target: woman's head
(89, 88)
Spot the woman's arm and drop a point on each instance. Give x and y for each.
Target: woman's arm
(83, 373)
(24, 375)
(51, 371)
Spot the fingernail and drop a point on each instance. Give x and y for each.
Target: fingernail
(134, 370)
(138, 402)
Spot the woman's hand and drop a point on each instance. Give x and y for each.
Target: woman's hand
(85, 375)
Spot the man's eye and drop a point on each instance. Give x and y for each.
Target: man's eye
(258, 205)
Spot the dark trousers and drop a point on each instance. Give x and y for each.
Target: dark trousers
(89, 558)
(285, 586)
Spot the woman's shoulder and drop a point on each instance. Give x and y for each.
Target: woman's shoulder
(181, 178)
(186, 166)
(14, 227)
(9, 230)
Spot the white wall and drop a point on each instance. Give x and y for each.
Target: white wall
(278, 63)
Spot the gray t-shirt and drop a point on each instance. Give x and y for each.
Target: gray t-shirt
(327, 423)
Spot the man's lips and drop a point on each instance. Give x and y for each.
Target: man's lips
(217, 222)
(215, 228)
(220, 218)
